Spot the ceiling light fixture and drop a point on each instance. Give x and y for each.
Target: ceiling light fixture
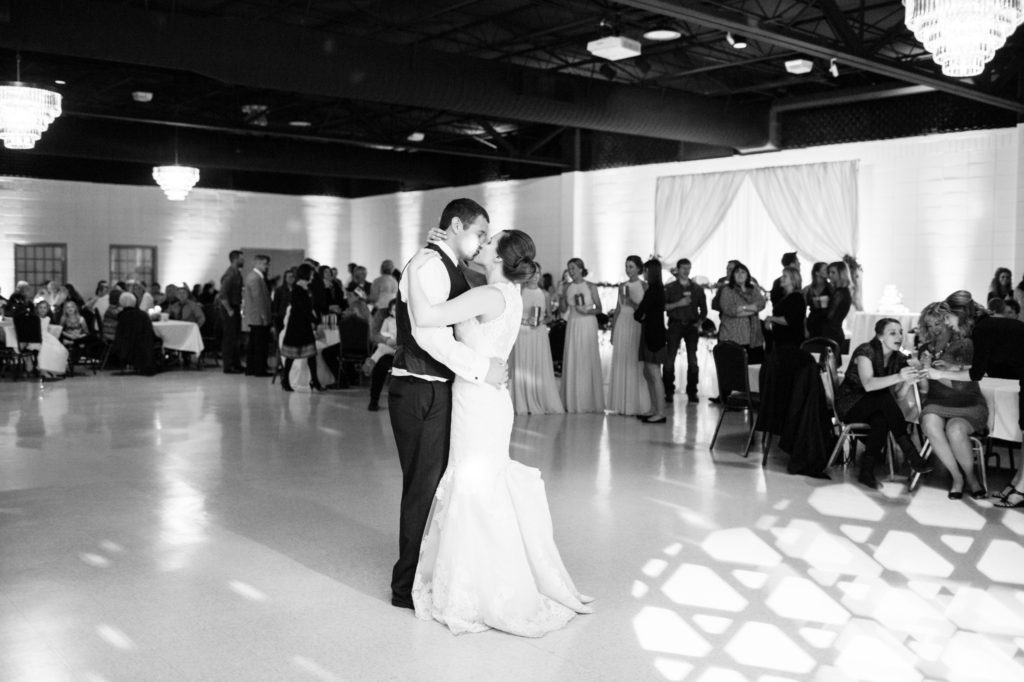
(614, 48)
(833, 68)
(299, 124)
(416, 136)
(142, 96)
(26, 112)
(963, 35)
(176, 181)
(736, 41)
(798, 67)
(662, 34)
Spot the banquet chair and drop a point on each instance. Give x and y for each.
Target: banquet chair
(847, 433)
(734, 387)
(29, 330)
(821, 344)
(977, 449)
(355, 347)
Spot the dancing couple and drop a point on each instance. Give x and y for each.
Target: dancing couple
(476, 548)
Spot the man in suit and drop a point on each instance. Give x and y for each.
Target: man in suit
(229, 303)
(426, 361)
(256, 317)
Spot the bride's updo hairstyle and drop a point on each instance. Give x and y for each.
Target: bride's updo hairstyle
(516, 250)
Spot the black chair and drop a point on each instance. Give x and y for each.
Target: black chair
(734, 387)
(819, 344)
(28, 329)
(355, 347)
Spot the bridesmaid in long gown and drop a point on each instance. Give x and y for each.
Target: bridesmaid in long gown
(582, 384)
(534, 389)
(627, 392)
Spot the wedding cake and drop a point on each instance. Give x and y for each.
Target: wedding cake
(891, 302)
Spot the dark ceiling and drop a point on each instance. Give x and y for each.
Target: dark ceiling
(308, 96)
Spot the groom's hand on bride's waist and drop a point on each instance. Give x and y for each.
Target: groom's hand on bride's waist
(497, 373)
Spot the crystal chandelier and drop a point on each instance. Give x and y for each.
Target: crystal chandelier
(176, 181)
(963, 35)
(25, 112)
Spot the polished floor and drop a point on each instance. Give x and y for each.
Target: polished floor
(197, 526)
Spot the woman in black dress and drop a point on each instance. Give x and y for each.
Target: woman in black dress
(651, 315)
(788, 315)
(817, 295)
(838, 304)
(300, 330)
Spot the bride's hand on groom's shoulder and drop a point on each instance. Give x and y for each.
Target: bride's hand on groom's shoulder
(436, 235)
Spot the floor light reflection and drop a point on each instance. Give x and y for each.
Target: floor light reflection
(1003, 562)
(800, 599)
(847, 501)
(908, 554)
(740, 546)
(763, 645)
(665, 631)
(699, 586)
(115, 637)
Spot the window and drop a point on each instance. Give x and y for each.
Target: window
(38, 263)
(133, 262)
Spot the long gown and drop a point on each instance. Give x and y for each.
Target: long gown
(582, 383)
(488, 557)
(534, 389)
(627, 390)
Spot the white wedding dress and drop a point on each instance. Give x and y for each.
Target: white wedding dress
(488, 557)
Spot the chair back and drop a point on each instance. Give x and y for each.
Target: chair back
(829, 378)
(29, 328)
(731, 368)
(818, 344)
(355, 336)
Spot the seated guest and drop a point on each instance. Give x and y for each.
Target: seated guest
(789, 311)
(108, 325)
(170, 296)
(300, 330)
(1013, 309)
(877, 375)
(207, 295)
(817, 295)
(75, 333)
(143, 299)
(838, 305)
(1002, 285)
(185, 310)
(328, 294)
(135, 340)
(384, 333)
(997, 307)
(159, 297)
(100, 299)
(741, 300)
(953, 407)
(359, 282)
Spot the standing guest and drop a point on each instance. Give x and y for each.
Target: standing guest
(1002, 285)
(384, 333)
(721, 284)
(789, 260)
(877, 376)
(953, 407)
(256, 317)
(789, 312)
(626, 392)
(534, 389)
(687, 308)
(300, 330)
(651, 315)
(384, 287)
(230, 306)
(1018, 298)
(817, 295)
(741, 301)
(838, 305)
(359, 282)
(582, 384)
(185, 309)
(281, 299)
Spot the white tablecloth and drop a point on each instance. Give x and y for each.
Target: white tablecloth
(1003, 397)
(179, 335)
(11, 337)
(862, 327)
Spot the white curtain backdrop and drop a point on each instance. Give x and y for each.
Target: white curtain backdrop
(813, 206)
(688, 210)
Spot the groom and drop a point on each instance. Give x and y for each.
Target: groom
(425, 362)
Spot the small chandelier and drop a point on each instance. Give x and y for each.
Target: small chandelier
(25, 112)
(963, 35)
(176, 181)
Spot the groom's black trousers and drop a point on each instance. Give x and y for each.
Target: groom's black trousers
(421, 413)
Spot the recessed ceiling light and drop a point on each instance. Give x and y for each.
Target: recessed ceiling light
(614, 48)
(299, 124)
(142, 96)
(60, 82)
(416, 136)
(798, 67)
(662, 33)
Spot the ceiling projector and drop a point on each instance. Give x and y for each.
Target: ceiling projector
(614, 48)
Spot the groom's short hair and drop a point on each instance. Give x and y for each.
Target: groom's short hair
(465, 210)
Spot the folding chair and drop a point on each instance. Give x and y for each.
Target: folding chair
(734, 387)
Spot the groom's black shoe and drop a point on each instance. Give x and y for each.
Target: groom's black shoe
(402, 602)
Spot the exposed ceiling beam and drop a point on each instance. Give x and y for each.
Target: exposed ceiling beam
(780, 37)
(838, 23)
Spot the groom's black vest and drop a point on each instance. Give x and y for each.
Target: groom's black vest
(408, 354)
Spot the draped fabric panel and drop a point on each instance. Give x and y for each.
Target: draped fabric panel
(688, 209)
(814, 206)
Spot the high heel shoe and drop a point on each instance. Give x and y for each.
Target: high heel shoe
(285, 386)
(1004, 493)
(979, 494)
(315, 386)
(1012, 501)
(955, 494)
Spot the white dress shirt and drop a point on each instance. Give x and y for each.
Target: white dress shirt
(439, 342)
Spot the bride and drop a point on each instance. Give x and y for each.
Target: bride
(488, 558)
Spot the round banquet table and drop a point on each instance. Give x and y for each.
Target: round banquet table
(180, 335)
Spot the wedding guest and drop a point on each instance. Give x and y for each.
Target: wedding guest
(282, 299)
(789, 260)
(626, 392)
(790, 311)
(582, 385)
(185, 309)
(52, 360)
(135, 340)
(383, 333)
(1002, 285)
(953, 407)
(158, 296)
(1018, 298)
(100, 300)
(108, 324)
(741, 300)
(716, 300)
(651, 315)
(230, 306)
(208, 294)
(534, 389)
(384, 287)
(75, 334)
(817, 295)
(838, 305)
(877, 376)
(300, 330)
(256, 317)
(327, 293)
(687, 309)
(144, 300)
(359, 282)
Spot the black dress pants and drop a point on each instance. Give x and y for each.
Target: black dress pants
(379, 376)
(256, 351)
(879, 409)
(420, 414)
(678, 334)
(231, 331)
